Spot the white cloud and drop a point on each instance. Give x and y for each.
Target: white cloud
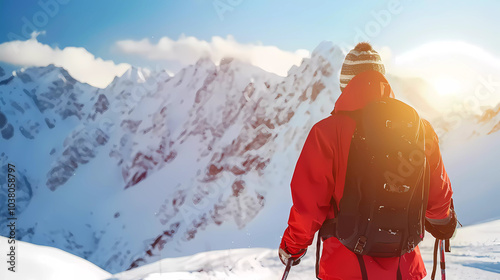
(442, 61)
(79, 63)
(460, 74)
(187, 50)
(448, 48)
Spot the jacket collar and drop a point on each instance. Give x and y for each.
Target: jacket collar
(363, 89)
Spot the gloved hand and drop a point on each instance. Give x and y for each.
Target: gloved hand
(444, 231)
(285, 253)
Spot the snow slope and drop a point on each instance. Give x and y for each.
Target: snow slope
(36, 262)
(475, 255)
(473, 169)
(470, 154)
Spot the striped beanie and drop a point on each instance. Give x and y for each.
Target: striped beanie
(360, 59)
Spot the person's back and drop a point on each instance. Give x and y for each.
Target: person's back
(321, 171)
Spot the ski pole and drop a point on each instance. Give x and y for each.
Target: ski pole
(287, 269)
(441, 258)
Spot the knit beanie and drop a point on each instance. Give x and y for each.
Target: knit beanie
(360, 59)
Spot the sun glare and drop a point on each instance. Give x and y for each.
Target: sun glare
(450, 67)
(447, 86)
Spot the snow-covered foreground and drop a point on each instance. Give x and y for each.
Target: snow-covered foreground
(34, 262)
(475, 255)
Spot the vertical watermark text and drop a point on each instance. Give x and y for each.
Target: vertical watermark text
(11, 204)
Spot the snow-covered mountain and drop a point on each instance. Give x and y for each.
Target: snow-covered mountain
(157, 166)
(122, 175)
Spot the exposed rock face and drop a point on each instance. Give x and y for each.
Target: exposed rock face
(80, 149)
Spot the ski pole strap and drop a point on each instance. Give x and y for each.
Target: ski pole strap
(434, 265)
(447, 247)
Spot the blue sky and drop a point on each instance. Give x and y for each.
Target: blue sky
(288, 25)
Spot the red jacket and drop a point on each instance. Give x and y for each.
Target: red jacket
(313, 184)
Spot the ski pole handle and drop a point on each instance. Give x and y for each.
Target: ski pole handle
(287, 269)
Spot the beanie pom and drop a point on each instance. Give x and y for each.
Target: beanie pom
(363, 46)
(362, 58)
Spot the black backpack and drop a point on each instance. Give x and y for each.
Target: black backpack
(382, 210)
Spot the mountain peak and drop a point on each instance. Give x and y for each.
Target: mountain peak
(49, 72)
(204, 61)
(226, 60)
(324, 48)
(330, 52)
(133, 74)
(137, 74)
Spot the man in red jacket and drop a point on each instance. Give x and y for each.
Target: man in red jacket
(320, 175)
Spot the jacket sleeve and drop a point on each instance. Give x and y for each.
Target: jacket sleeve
(312, 188)
(440, 192)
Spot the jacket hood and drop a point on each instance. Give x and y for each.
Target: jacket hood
(362, 89)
